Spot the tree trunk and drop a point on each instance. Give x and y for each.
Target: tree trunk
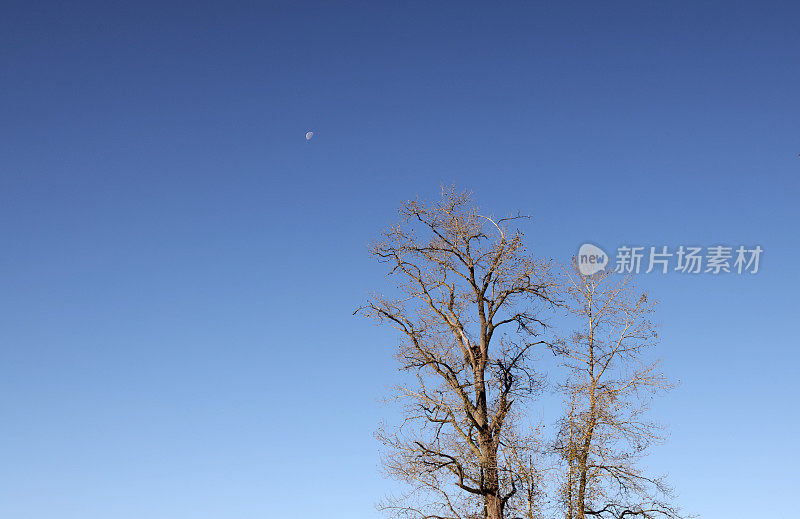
(494, 509)
(494, 504)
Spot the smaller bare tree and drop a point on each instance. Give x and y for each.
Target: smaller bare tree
(604, 432)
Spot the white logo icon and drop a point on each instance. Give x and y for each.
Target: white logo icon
(591, 259)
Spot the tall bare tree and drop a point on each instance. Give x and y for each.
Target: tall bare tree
(468, 313)
(605, 432)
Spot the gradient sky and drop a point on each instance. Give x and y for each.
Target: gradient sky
(179, 266)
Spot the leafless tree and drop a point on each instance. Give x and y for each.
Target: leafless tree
(604, 432)
(468, 312)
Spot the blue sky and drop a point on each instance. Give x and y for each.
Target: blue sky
(179, 266)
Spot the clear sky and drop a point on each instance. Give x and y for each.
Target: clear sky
(179, 266)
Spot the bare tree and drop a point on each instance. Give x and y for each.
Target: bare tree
(469, 313)
(605, 432)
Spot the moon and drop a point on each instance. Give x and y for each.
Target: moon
(309, 135)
